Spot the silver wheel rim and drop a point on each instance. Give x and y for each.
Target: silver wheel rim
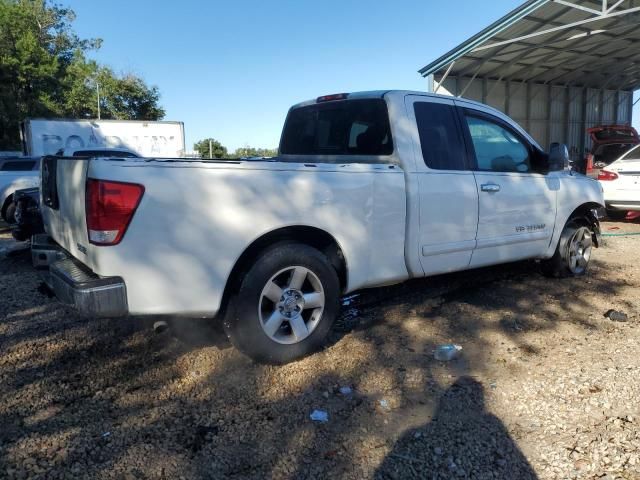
(580, 250)
(291, 305)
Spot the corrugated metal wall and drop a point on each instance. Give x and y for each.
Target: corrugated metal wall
(549, 113)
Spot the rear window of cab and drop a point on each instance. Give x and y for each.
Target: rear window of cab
(346, 127)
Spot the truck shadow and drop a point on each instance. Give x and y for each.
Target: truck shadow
(460, 425)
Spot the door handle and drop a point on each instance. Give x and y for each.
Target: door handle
(490, 187)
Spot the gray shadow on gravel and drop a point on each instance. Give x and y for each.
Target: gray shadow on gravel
(463, 440)
(534, 302)
(106, 398)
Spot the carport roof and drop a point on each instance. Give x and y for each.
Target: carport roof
(587, 43)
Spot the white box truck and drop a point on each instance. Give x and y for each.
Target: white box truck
(155, 139)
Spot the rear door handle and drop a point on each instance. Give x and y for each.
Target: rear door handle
(490, 187)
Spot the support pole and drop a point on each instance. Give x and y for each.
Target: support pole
(98, 92)
(446, 74)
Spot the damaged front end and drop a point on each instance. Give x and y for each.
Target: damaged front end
(593, 217)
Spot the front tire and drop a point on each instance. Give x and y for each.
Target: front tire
(572, 255)
(285, 306)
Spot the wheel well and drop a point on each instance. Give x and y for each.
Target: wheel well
(314, 237)
(584, 210)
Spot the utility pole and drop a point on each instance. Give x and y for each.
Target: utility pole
(210, 150)
(98, 92)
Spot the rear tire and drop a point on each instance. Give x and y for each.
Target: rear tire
(285, 306)
(572, 255)
(616, 214)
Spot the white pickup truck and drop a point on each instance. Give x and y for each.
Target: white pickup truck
(369, 189)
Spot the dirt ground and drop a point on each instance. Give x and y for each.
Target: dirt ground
(546, 386)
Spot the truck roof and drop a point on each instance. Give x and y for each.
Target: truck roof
(403, 93)
(383, 93)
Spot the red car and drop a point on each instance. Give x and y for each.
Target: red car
(610, 142)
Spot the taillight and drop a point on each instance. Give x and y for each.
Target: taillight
(590, 163)
(110, 207)
(606, 176)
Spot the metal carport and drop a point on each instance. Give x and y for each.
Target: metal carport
(557, 67)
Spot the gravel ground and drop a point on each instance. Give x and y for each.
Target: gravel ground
(546, 386)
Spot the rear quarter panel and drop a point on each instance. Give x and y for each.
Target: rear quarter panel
(196, 219)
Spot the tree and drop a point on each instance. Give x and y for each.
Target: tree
(44, 72)
(124, 97)
(248, 151)
(217, 149)
(128, 97)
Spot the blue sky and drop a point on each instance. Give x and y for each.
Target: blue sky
(230, 70)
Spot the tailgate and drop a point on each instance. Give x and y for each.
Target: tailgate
(63, 208)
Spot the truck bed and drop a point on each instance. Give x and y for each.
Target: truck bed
(197, 217)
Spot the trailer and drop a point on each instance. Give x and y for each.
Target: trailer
(155, 139)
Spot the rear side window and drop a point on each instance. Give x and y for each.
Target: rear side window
(349, 127)
(18, 166)
(440, 137)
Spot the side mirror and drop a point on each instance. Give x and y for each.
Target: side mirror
(558, 157)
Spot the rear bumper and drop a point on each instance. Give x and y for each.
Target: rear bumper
(623, 204)
(74, 284)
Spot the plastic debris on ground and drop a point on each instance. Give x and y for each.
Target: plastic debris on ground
(319, 416)
(346, 391)
(384, 404)
(160, 326)
(445, 353)
(106, 434)
(616, 316)
(346, 301)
